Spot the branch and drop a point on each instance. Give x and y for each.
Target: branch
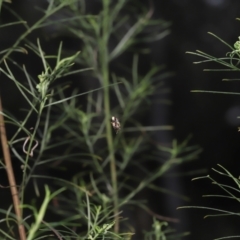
(10, 174)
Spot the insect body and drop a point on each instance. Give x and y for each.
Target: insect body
(116, 124)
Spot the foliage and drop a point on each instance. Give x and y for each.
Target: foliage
(230, 189)
(69, 131)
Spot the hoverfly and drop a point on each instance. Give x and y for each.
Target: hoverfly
(115, 124)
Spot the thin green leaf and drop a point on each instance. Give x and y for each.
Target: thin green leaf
(77, 95)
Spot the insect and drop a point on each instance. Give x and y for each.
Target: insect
(116, 124)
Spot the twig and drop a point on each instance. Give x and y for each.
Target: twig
(10, 174)
(55, 231)
(160, 217)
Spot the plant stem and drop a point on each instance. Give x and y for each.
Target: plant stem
(26, 178)
(10, 174)
(104, 58)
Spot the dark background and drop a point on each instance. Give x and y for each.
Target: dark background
(210, 118)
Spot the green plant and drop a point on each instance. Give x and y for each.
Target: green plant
(89, 206)
(161, 231)
(230, 189)
(230, 61)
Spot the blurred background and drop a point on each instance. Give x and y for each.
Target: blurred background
(211, 119)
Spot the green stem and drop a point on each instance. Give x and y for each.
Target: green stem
(105, 81)
(24, 179)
